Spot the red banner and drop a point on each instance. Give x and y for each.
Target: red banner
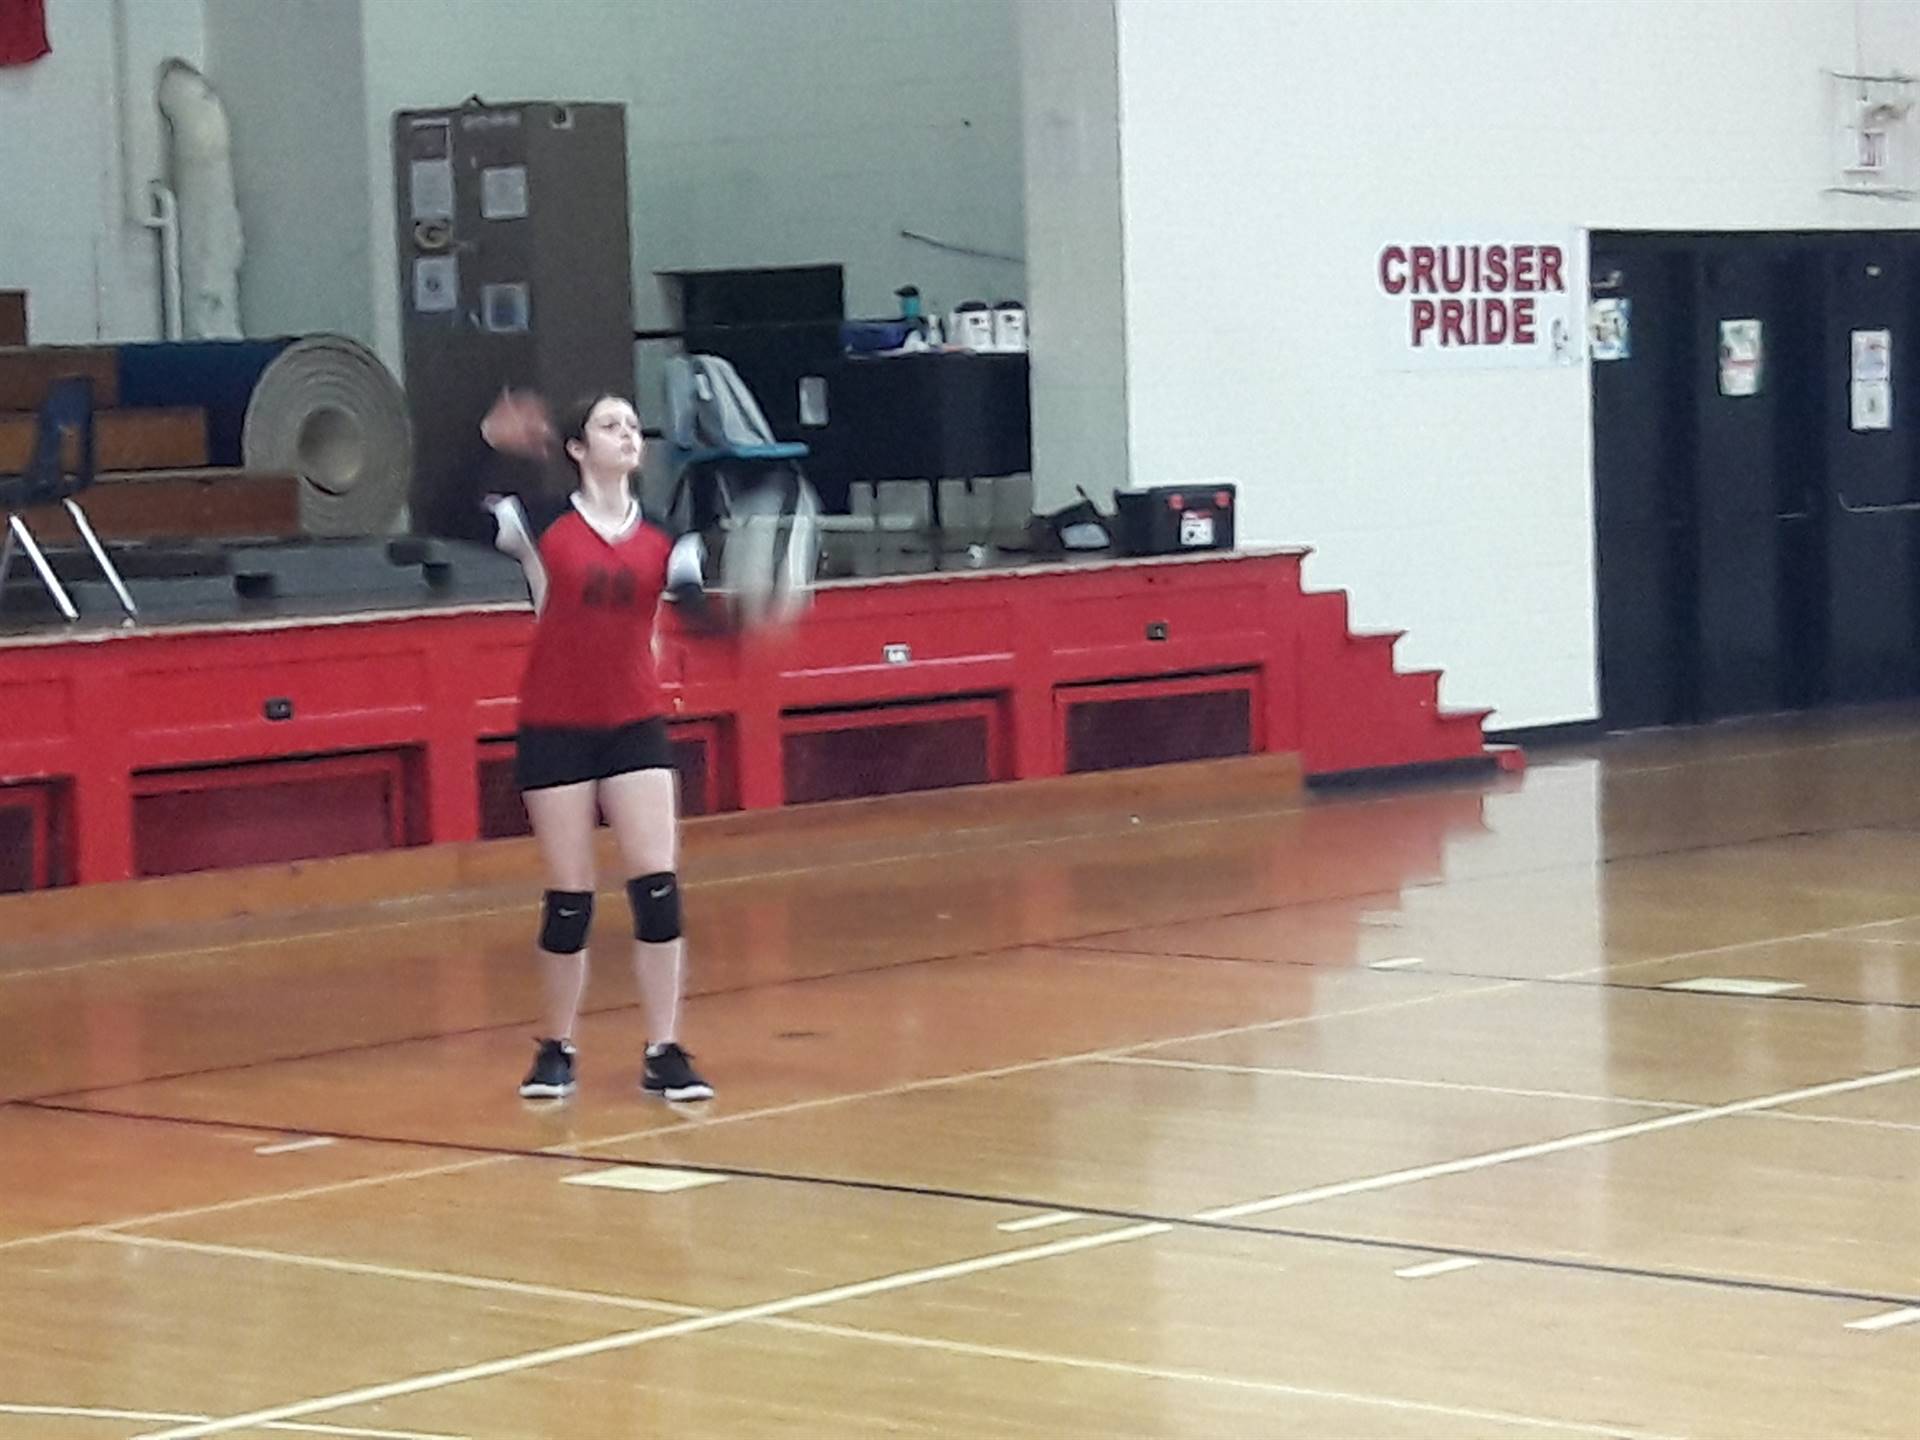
(23, 31)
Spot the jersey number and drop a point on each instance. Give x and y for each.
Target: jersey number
(611, 589)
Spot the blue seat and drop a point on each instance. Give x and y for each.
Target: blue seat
(718, 440)
(63, 427)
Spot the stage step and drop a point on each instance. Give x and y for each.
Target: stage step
(13, 317)
(216, 504)
(1362, 712)
(123, 440)
(26, 371)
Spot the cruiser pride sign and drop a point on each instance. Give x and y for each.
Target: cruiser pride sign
(1448, 303)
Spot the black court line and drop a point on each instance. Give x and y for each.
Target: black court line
(1069, 942)
(936, 1192)
(1560, 980)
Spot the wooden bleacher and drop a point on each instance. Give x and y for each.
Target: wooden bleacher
(133, 440)
(27, 370)
(154, 481)
(215, 503)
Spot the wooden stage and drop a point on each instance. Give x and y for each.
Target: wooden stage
(1583, 1102)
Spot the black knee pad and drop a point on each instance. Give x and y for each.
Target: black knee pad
(564, 924)
(656, 906)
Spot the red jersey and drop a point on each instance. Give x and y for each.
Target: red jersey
(592, 663)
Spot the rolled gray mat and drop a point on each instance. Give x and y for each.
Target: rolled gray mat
(327, 410)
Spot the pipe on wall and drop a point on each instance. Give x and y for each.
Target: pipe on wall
(147, 201)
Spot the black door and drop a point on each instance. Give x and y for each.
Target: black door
(1873, 542)
(1757, 515)
(1743, 370)
(1644, 512)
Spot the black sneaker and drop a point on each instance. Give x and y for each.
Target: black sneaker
(552, 1075)
(670, 1075)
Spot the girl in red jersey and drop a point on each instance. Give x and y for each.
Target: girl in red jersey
(592, 736)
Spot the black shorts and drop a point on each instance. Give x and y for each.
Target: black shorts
(547, 756)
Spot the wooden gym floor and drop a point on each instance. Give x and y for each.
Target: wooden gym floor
(1584, 1102)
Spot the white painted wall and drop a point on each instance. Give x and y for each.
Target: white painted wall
(1269, 149)
(291, 75)
(64, 233)
(761, 132)
(819, 131)
(1070, 107)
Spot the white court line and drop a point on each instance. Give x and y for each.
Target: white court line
(1285, 1073)
(1860, 1120)
(426, 1172)
(1581, 1141)
(1472, 1089)
(684, 1126)
(1024, 1067)
(312, 1142)
(245, 1202)
(1201, 1377)
(794, 1107)
(826, 1101)
(847, 1332)
(1888, 1320)
(1732, 946)
(907, 1279)
(98, 1412)
(1404, 962)
(391, 1272)
(628, 1339)
(884, 1092)
(1092, 943)
(1436, 1267)
(1040, 1222)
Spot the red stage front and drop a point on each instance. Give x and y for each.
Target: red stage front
(151, 752)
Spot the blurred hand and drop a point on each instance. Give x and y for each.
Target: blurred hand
(518, 424)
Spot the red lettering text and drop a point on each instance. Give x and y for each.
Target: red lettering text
(1422, 321)
(1550, 268)
(1393, 280)
(1423, 270)
(1523, 269)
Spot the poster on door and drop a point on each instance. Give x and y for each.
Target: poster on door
(1872, 355)
(1870, 391)
(1871, 405)
(1610, 329)
(1741, 357)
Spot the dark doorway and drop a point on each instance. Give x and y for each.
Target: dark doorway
(1755, 528)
